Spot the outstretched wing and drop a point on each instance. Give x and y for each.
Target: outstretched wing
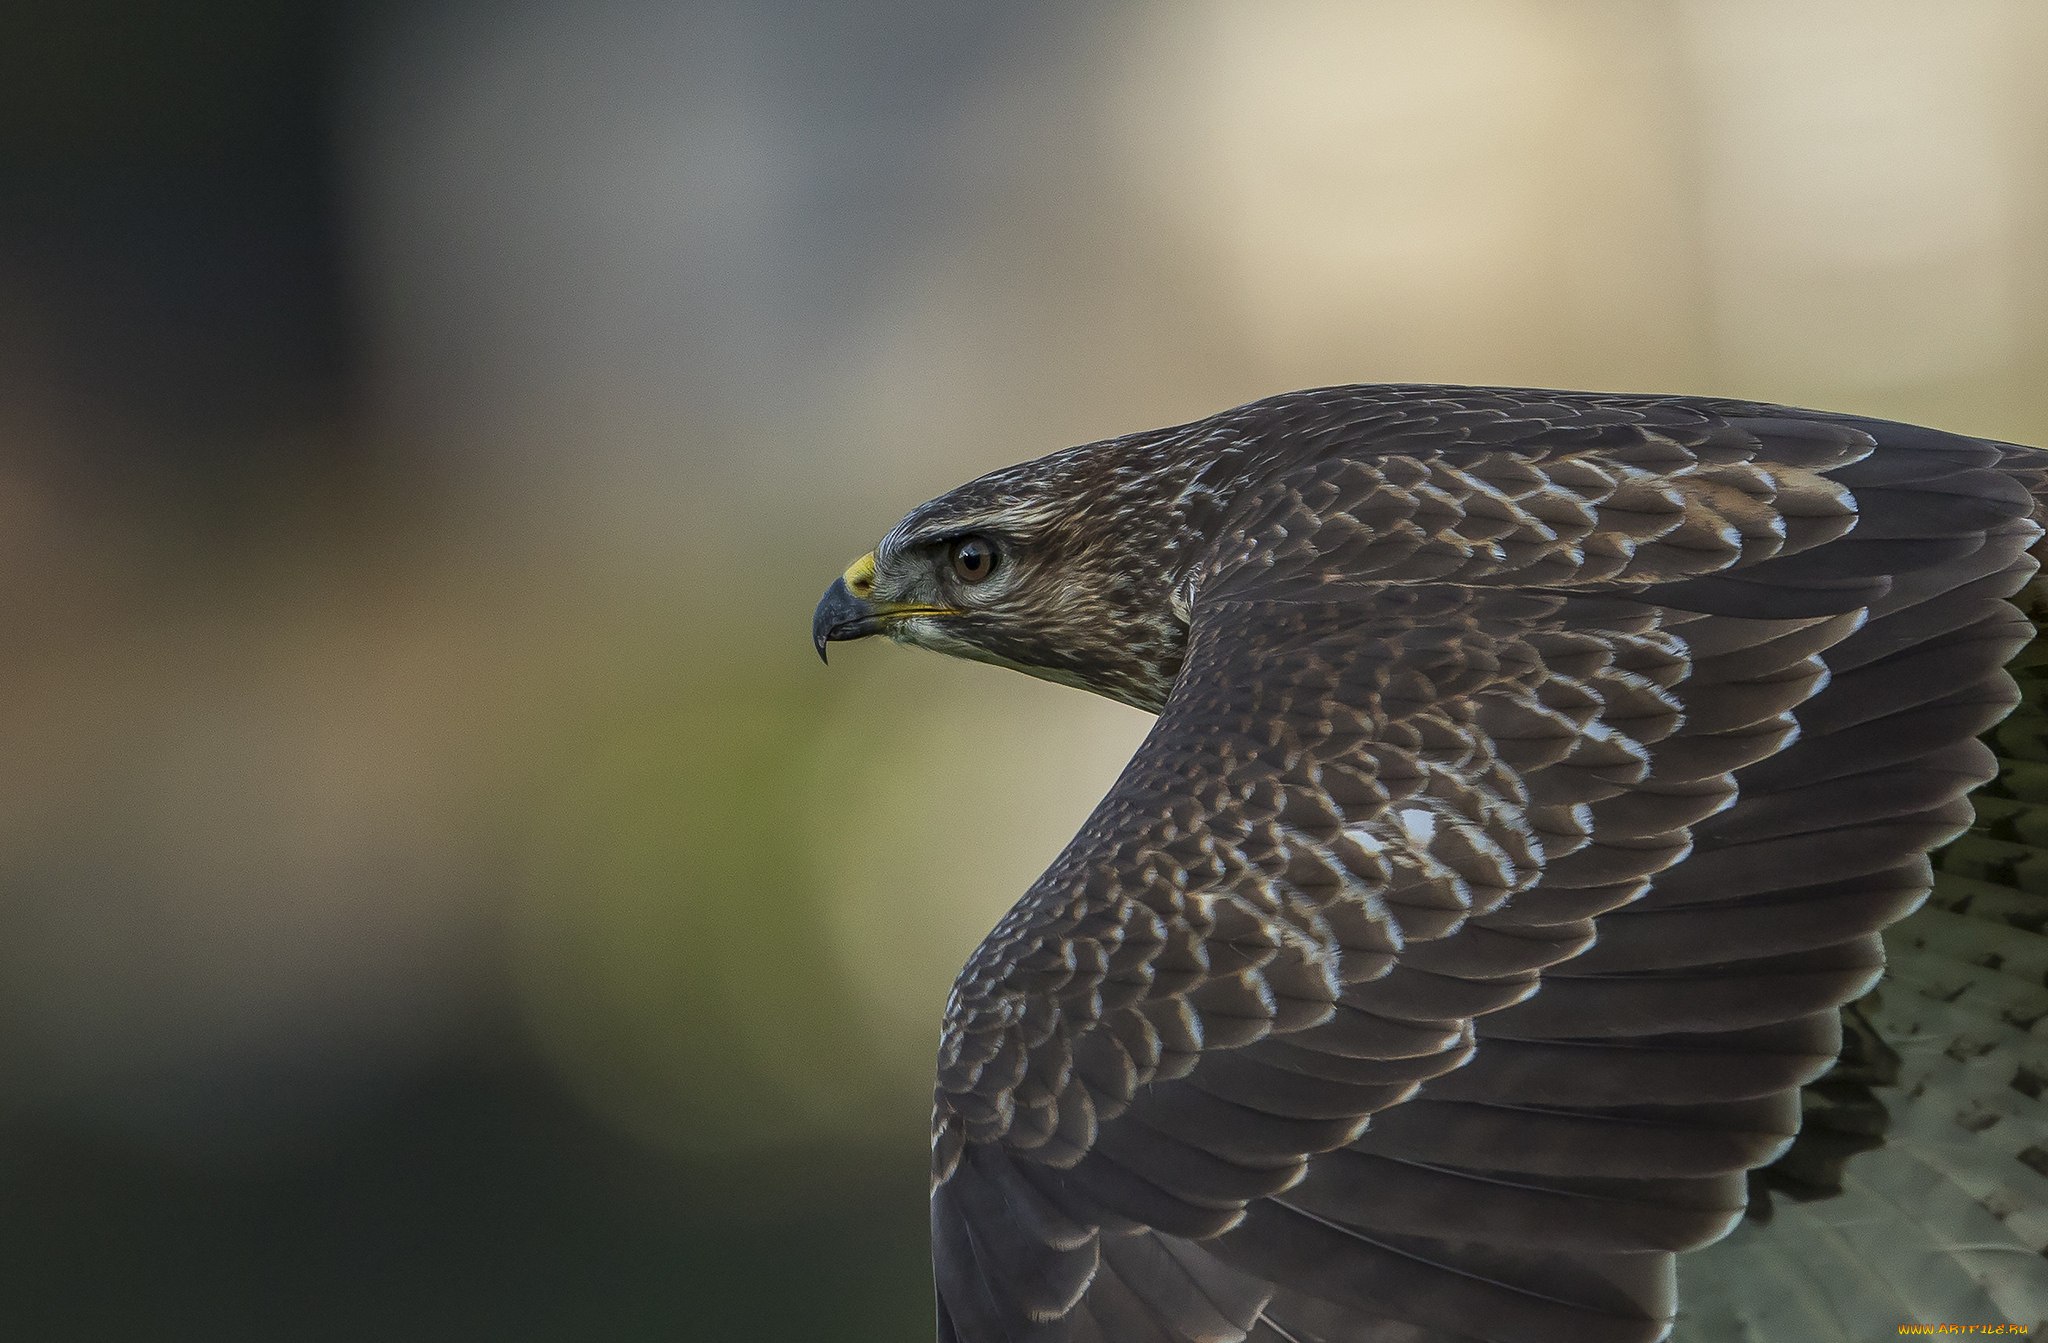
(1375, 1000)
(1917, 1190)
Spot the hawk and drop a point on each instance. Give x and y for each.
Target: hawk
(1488, 941)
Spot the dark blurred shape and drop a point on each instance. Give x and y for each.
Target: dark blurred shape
(477, 1202)
(421, 427)
(171, 267)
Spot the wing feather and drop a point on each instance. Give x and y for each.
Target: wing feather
(1539, 777)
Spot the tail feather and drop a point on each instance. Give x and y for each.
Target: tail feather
(1745, 1289)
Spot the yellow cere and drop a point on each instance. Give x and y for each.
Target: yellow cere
(860, 575)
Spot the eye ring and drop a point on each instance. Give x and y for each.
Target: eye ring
(974, 559)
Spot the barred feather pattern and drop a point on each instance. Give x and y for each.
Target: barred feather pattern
(1917, 1192)
(1491, 920)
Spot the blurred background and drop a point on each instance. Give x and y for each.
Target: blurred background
(441, 896)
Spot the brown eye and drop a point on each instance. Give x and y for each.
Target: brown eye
(974, 559)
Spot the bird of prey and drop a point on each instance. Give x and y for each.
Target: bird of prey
(1489, 940)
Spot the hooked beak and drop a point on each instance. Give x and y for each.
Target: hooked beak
(846, 613)
(842, 616)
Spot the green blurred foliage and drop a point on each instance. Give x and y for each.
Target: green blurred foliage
(441, 897)
(668, 829)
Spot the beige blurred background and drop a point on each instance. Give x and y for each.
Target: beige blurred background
(441, 896)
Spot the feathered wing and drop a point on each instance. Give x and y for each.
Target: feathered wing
(1942, 1214)
(1536, 786)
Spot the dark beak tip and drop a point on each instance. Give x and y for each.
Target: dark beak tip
(840, 615)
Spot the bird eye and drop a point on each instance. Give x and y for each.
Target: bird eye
(974, 559)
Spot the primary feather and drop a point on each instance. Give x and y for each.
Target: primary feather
(1467, 951)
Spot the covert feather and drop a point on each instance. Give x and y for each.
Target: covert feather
(1489, 940)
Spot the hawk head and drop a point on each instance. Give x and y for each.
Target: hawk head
(1074, 568)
